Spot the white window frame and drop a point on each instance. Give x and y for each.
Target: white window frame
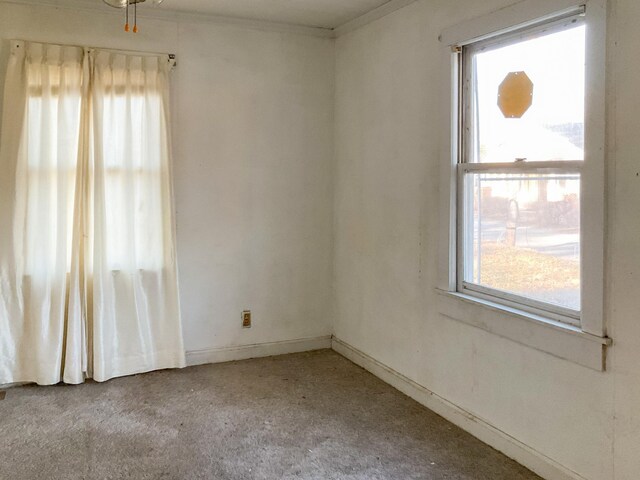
(464, 166)
(581, 339)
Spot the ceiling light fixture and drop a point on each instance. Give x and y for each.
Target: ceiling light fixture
(125, 4)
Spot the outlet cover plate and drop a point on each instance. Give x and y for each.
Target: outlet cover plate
(246, 319)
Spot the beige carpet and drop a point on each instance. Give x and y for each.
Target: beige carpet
(304, 416)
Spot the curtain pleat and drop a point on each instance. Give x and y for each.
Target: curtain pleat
(88, 275)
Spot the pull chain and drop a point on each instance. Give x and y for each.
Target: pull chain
(135, 16)
(126, 25)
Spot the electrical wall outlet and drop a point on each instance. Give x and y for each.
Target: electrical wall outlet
(246, 319)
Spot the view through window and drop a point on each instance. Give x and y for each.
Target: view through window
(523, 138)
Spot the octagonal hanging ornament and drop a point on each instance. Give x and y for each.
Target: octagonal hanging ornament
(515, 95)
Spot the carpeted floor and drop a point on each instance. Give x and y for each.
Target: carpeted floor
(303, 416)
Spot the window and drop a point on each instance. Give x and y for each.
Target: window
(52, 111)
(520, 161)
(128, 164)
(522, 247)
(133, 170)
(133, 179)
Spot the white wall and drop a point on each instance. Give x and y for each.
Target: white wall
(390, 79)
(253, 116)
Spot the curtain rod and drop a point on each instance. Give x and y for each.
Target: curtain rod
(172, 56)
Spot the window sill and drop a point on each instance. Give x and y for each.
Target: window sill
(563, 341)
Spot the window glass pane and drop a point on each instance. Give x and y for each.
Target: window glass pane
(522, 235)
(52, 136)
(552, 127)
(133, 181)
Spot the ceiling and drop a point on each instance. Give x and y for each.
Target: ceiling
(313, 13)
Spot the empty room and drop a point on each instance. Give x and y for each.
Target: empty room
(320, 239)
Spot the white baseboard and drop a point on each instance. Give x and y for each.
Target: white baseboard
(243, 352)
(535, 461)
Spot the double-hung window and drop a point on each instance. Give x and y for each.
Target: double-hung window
(521, 153)
(526, 231)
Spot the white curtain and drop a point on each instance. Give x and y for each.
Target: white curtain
(88, 283)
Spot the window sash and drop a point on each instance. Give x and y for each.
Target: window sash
(465, 113)
(528, 304)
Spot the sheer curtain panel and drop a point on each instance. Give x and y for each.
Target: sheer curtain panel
(88, 283)
(135, 294)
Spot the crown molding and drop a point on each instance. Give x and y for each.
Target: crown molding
(371, 16)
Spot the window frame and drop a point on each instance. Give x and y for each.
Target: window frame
(465, 54)
(585, 342)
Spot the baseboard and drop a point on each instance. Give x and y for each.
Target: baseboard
(243, 352)
(535, 461)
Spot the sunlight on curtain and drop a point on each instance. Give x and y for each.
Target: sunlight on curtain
(88, 284)
(135, 284)
(38, 161)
